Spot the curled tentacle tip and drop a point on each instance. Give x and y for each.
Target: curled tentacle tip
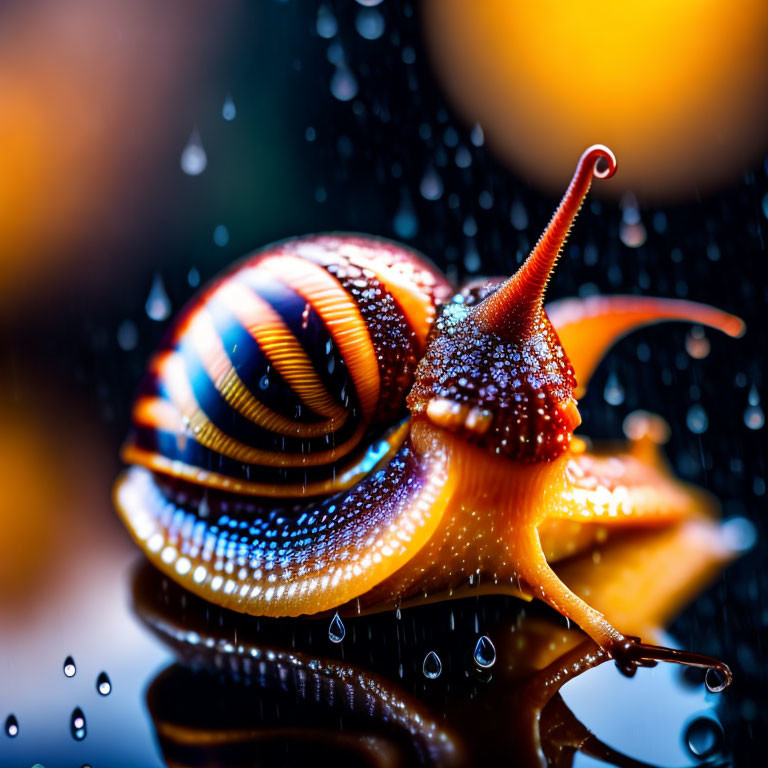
(594, 154)
(735, 327)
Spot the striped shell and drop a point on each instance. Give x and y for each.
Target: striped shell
(282, 377)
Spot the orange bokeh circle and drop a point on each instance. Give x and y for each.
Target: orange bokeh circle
(678, 90)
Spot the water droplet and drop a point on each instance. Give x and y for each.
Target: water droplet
(477, 137)
(103, 684)
(432, 666)
(264, 382)
(343, 84)
(632, 235)
(697, 344)
(336, 630)
(370, 24)
(405, 223)
(158, 304)
(463, 157)
(193, 277)
(127, 335)
(431, 186)
(77, 724)
(12, 726)
(369, 3)
(754, 417)
(715, 680)
(704, 737)
(697, 420)
(485, 653)
(518, 216)
(69, 667)
(193, 157)
(326, 24)
(228, 110)
(221, 236)
(739, 534)
(613, 392)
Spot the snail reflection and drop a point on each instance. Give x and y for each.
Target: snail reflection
(246, 689)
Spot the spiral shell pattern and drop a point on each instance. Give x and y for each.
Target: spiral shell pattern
(273, 381)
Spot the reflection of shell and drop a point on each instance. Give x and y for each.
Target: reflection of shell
(271, 698)
(679, 91)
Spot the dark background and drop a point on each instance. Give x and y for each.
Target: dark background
(297, 159)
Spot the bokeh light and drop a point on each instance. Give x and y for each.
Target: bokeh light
(678, 90)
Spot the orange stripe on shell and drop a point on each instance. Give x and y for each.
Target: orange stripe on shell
(341, 316)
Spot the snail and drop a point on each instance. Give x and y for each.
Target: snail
(327, 426)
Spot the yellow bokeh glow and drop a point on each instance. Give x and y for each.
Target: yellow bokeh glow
(678, 90)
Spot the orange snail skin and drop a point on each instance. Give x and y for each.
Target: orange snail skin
(325, 429)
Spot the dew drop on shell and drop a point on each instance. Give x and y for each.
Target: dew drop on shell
(11, 726)
(432, 666)
(69, 667)
(103, 684)
(336, 630)
(485, 652)
(77, 724)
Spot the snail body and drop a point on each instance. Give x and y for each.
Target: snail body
(326, 427)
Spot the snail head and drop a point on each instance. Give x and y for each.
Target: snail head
(496, 372)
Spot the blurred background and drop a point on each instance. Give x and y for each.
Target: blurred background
(145, 146)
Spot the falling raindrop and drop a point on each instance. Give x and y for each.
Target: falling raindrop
(193, 277)
(158, 305)
(405, 223)
(193, 157)
(127, 335)
(485, 653)
(326, 24)
(343, 84)
(739, 534)
(463, 157)
(228, 110)
(518, 216)
(431, 186)
(632, 231)
(477, 137)
(471, 259)
(697, 420)
(370, 24)
(336, 630)
(69, 667)
(103, 684)
(221, 235)
(77, 724)
(432, 666)
(12, 726)
(754, 417)
(613, 392)
(704, 737)
(369, 3)
(697, 344)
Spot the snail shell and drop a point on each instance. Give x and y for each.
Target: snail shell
(277, 379)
